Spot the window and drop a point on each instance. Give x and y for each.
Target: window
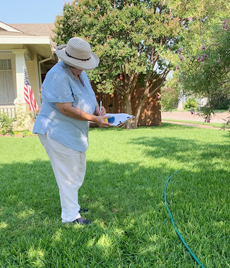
(7, 92)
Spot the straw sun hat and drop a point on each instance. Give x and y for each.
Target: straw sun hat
(77, 53)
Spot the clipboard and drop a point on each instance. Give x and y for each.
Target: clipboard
(120, 119)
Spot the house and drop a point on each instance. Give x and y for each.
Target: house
(23, 45)
(201, 102)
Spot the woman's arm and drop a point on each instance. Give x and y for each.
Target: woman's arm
(70, 111)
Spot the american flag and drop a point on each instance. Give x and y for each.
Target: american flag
(28, 93)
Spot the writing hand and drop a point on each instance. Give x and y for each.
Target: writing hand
(102, 112)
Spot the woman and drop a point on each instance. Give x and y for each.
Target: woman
(69, 103)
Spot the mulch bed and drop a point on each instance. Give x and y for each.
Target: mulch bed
(16, 135)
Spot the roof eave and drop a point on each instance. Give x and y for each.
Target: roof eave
(25, 40)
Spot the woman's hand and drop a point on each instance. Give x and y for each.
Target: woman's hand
(101, 121)
(70, 111)
(98, 112)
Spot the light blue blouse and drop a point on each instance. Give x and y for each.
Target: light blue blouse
(61, 86)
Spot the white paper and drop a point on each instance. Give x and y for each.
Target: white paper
(120, 119)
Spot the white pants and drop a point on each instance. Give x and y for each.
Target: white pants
(69, 169)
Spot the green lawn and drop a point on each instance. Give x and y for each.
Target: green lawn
(215, 125)
(126, 174)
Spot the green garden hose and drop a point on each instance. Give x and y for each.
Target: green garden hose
(174, 225)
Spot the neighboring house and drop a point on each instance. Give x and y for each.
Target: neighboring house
(201, 102)
(23, 45)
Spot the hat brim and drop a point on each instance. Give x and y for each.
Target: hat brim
(90, 64)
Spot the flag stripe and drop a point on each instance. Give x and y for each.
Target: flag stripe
(28, 93)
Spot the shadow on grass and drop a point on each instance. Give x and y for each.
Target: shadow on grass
(131, 226)
(186, 150)
(125, 204)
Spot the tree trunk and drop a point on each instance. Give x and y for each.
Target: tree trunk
(127, 103)
(138, 110)
(128, 109)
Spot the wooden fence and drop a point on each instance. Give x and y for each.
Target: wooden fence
(150, 113)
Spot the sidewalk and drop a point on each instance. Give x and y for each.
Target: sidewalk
(187, 116)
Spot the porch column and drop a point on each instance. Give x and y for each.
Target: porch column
(19, 63)
(24, 120)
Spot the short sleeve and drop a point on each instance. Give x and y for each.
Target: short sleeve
(56, 88)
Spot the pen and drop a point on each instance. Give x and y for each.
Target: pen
(100, 107)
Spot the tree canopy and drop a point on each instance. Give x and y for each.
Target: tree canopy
(142, 41)
(203, 63)
(133, 39)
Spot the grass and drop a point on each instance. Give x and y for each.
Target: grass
(199, 123)
(126, 174)
(196, 110)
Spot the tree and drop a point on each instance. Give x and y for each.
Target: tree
(208, 70)
(204, 57)
(134, 40)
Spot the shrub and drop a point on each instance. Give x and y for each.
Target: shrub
(190, 104)
(169, 98)
(220, 101)
(6, 124)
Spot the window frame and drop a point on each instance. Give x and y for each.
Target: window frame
(10, 56)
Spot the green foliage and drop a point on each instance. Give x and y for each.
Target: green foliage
(170, 94)
(133, 39)
(209, 69)
(203, 55)
(209, 73)
(128, 36)
(190, 104)
(219, 100)
(23, 117)
(6, 124)
(169, 98)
